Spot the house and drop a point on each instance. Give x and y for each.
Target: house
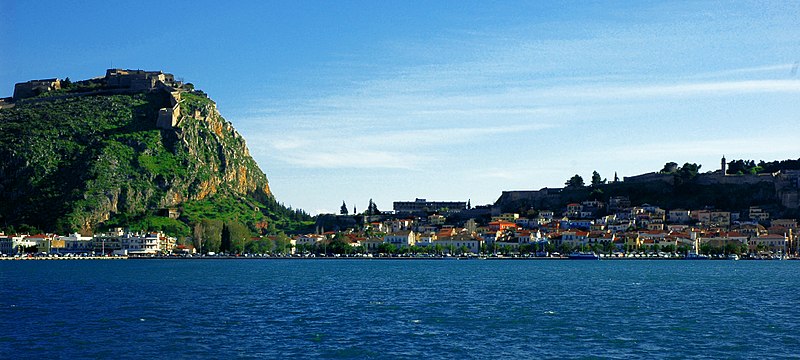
(138, 244)
(309, 239)
(701, 216)
(785, 223)
(722, 238)
(75, 243)
(403, 238)
(546, 214)
(508, 217)
(573, 210)
(398, 225)
(679, 216)
(618, 202)
(502, 225)
(460, 241)
(526, 223)
(758, 214)
(720, 219)
(771, 242)
(39, 242)
(490, 237)
(574, 237)
(6, 246)
(600, 237)
(372, 244)
(436, 219)
(654, 226)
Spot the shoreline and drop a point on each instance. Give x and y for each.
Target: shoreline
(390, 258)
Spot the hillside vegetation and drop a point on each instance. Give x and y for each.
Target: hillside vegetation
(86, 163)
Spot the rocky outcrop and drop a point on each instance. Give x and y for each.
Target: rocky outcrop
(74, 163)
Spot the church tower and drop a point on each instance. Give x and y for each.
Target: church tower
(724, 166)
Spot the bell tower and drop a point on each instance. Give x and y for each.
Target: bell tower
(724, 166)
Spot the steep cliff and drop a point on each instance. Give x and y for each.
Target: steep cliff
(83, 161)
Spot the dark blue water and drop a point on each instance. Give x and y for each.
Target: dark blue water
(399, 309)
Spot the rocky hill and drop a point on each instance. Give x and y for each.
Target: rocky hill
(133, 148)
(777, 190)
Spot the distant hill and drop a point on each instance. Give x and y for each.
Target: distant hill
(772, 185)
(132, 149)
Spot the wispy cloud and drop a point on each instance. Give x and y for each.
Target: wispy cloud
(401, 149)
(776, 69)
(746, 147)
(407, 117)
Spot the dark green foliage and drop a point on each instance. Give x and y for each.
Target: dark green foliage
(575, 182)
(670, 168)
(596, 179)
(234, 237)
(740, 167)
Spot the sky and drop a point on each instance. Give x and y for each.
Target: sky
(447, 100)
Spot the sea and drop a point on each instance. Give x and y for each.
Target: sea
(407, 309)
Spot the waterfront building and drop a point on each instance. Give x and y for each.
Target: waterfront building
(773, 243)
(403, 238)
(136, 244)
(75, 243)
(460, 241)
(6, 245)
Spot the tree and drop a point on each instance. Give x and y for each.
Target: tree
(616, 178)
(343, 210)
(208, 235)
(372, 209)
(686, 173)
(669, 168)
(282, 244)
(596, 179)
(575, 182)
(234, 237)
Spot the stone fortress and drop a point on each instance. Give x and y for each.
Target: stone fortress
(115, 81)
(786, 184)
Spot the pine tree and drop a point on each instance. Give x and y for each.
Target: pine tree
(343, 209)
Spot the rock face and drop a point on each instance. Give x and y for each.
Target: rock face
(75, 162)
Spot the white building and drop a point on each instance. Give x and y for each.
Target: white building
(75, 243)
(137, 244)
(402, 238)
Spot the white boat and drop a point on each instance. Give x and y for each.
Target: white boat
(584, 256)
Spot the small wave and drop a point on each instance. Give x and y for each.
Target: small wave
(549, 312)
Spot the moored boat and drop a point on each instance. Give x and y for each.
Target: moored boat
(584, 256)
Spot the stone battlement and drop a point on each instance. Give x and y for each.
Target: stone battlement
(35, 87)
(116, 81)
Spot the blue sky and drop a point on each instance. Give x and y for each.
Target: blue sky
(457, 100)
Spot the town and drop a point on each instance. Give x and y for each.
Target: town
(424, 228)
